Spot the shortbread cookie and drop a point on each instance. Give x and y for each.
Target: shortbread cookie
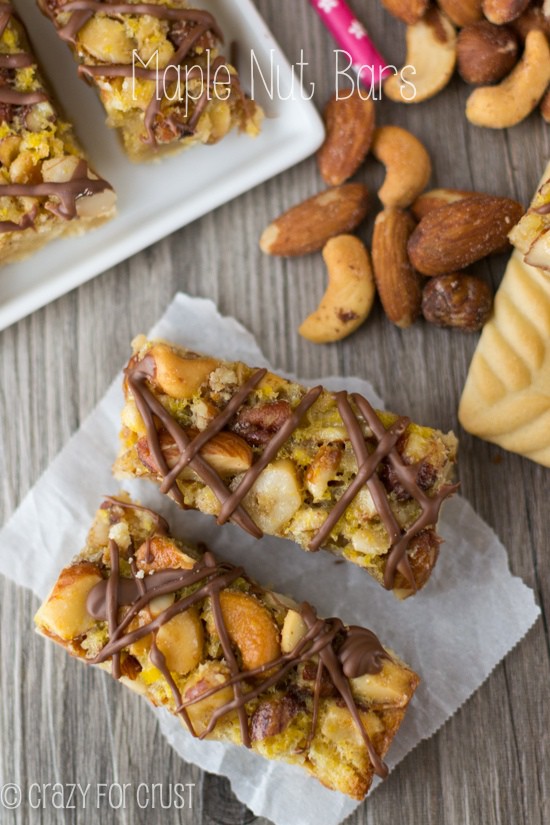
(47, 188)
(234, 661)
(506, 399)
(322, 469)
(158, 70)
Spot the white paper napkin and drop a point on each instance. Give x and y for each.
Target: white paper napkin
(469, 616)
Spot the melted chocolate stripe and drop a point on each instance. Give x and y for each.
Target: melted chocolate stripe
(68, 192)
(430, 505)
(367, 466)
(112, 601)
(148, 406)
(360, 652)
(16, 98)
(268, 454)
(19, 60)
(213, 428)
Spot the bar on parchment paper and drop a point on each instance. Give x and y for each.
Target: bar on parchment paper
(236, 662)
(324, 470)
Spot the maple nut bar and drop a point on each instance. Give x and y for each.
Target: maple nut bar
(158, 70)
(47, 188)
(322, 469)
(237, 663)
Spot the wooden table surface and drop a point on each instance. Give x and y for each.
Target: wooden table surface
(61, 722)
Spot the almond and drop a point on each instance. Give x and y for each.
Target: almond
(436, 198)
(398, 284)
(503, 11)
(349, 122)
(309, 225)
(486, 53)
(461, 233)
(226, 452)
(462, 12)
(409, 11)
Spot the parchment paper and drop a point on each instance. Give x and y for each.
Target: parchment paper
(472, 612)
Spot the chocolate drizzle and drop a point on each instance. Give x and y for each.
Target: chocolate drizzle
(20, 60)
(202, 24)
(342, 652)
(139, 372)
(67, 192)
(150, 407)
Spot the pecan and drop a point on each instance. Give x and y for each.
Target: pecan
(309, 674)
(425, 477)
(130, 667)
(180, 30)
(257, 425)
(273, 716)
(7, 113)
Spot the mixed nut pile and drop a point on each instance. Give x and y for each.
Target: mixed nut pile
(502, 48)
(422, 241)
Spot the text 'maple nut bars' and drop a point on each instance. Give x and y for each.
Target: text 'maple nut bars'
(177, 91)
(234, 661)
(324, 470)
(47, 188)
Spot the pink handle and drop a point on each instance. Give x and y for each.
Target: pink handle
(352, 37)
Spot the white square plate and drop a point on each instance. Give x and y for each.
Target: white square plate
(156, 199)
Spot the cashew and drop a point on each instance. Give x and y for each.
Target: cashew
(105, 39)
(9, 149)
(392, 686)
(430, 61)
(177, 376)
(408, 167)
(250, 628)
(498, 107)
(160, 553)
(64, 613)
(350, 292)
(181, 640)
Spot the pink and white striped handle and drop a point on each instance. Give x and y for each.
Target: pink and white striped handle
(352, 37)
